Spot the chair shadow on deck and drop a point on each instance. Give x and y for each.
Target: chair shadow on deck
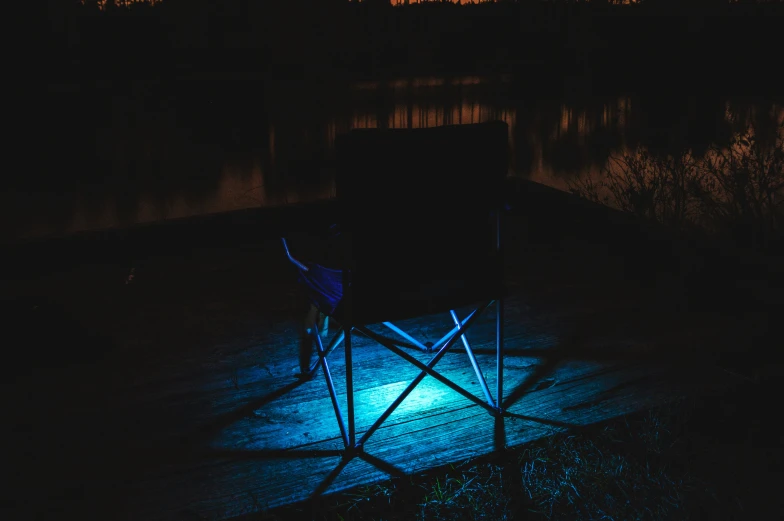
(199, 452)
(199, 440)
(572, 346)
(578, 344)
(273, 454)
(209, 431)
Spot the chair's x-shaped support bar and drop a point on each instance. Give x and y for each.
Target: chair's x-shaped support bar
(414, 341)
(490, 404)
(426, 369)
(419, 345)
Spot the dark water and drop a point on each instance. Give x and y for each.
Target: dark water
(114, 156)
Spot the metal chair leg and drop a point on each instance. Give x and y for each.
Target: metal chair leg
(480, 377)
(350, 390)
(330, 384)
(499, 353)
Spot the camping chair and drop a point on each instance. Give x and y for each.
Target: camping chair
(422, 215)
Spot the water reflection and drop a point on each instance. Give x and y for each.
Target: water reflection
(154, 152)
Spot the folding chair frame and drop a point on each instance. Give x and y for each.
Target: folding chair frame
(441, 347)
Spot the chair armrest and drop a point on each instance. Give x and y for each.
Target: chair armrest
(292, 259)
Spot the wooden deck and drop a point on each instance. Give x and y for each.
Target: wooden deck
(264, 440)
(175, 394)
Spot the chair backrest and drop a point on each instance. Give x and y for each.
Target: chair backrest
(420, 201)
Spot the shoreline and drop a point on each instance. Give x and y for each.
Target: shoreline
(380, 43)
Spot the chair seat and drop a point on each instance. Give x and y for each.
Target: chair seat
(401, 295)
